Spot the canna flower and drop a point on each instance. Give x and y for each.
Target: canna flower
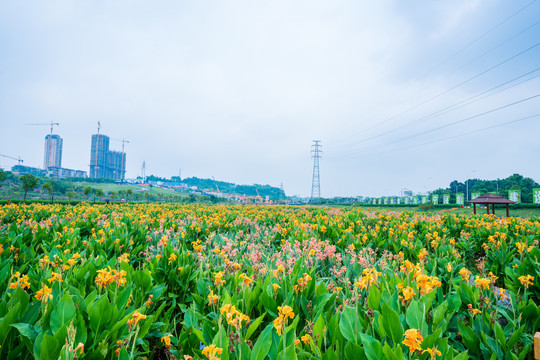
(305, 338)
(408, 294)
(55, 277)
(433, 352)
(135, 318)
(472, 310)
(218, 279)
(283, 313)
(21, 281)
(212, 298)
(449, 267)
(276, 287)
(482, 283)
(492, 277)
(526, 280)
(278, 271)
(233, 316)
(44, 294)
(123, 258)
(413, 339)
(502, 294)
(172, 258)
(79, 347)
(167, 340)
(465, 274)
(246, 280)
(211, 352)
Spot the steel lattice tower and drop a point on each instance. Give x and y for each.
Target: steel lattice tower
(316, 154)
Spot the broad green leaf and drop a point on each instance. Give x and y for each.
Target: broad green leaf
(349, 324)
(415, 317)
(63, 313)
(392, 325)
(374, 298)
(251, 329)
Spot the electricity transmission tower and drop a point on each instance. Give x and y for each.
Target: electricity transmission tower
(316, 154)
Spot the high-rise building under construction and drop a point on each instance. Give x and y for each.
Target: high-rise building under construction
(53, 151)
(105, 163)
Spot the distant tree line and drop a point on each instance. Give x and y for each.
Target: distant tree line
(498, 186)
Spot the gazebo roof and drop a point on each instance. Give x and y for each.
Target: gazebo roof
(491, 199)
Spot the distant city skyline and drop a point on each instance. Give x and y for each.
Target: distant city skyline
(402, 94)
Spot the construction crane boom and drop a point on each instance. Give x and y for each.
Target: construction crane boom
(11, 157)
(51, 124)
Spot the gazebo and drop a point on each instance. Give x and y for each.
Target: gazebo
(492, 199)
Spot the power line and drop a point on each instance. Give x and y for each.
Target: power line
(456, 136)
(459, 121)
(470, 79)
(456, 53)
(453, 106)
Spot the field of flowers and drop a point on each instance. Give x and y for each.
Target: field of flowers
(154, 281)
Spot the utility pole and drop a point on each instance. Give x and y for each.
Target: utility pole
(316, 154)
(143, 172)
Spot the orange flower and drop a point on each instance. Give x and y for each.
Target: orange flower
(413, 339)
(526, 280)
(218, 279)
(44, 294)
(283, 313)
(472, 310)
(482, 283)
(465, 274)
(433, 352)
(167, 340)
(135, 318)
(211, 352)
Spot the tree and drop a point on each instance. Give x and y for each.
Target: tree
(87, 191)
(129, 192)
(70, 194)
(29, 182)
(113, 194)
(99, 193)
(3, 176)
(48, 187)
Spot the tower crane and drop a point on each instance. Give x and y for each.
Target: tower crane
(10, 157)
(51, 124)
(215, 183)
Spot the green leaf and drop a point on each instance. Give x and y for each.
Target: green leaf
(374, 298)
(354, 351)
(99, 313)
(7, 321)
(143, 279)
(392, 325)
(372, 347)
(221, 340)
(123, 354)
(349, 324)
(438, 314)
(26, 330)
(415, 317)
(514, 338)
(50, 348)
(251, 329)
(63, 313)
(190, 319)
(462, 356)
(499, 334)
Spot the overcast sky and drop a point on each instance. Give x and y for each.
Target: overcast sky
(403, 94)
